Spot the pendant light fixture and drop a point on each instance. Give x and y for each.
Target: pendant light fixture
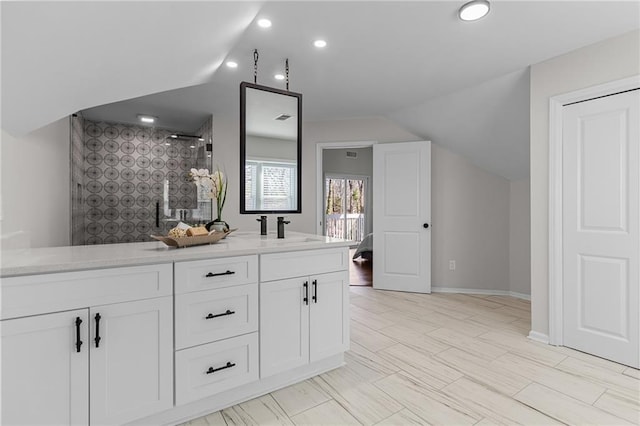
(474, 10)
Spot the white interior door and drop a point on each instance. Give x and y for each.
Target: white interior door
(402, 216)
(601, 241)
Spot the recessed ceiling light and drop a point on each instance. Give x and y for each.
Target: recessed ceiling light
(232, 64)
(319, 43)
(279, 77)
(474, 10)
(264, 23)
(146, 118)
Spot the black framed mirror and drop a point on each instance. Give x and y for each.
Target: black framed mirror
(270, 150)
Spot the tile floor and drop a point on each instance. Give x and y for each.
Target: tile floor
(448, 359)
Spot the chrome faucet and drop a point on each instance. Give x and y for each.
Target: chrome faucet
(281, 223)
(263, 225)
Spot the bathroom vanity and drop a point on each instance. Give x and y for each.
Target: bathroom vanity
(143, 334)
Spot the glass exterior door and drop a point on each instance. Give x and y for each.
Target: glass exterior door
(345, 206)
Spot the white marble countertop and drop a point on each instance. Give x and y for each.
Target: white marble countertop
(76, 258)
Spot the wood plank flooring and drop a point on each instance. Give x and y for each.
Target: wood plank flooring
(360, 271)
(448, 359)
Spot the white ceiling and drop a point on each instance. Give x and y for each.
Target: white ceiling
(462, 85)
(262, 109)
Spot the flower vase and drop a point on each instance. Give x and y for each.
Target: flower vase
(219, 226)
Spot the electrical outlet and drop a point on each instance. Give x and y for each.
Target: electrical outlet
(452, 265)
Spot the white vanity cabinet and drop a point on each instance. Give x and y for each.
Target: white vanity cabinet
(131, 367)
(140, 334)
(216, 305)
(45, 379)
(303, 319)
(102, 364)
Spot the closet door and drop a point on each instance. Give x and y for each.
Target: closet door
(601, 237)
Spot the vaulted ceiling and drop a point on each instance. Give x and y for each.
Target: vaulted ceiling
(461, 84)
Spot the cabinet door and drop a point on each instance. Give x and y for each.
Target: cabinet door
(45, 380)
(131, 364)
(329, 317)
(284, 325)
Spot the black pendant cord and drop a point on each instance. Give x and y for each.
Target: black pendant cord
(286, 69)
(255, 66)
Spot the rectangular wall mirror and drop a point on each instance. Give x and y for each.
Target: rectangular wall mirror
(270, 150)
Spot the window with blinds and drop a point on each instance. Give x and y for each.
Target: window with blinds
(270, 186)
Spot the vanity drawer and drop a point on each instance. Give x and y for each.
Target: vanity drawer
(276, 266)
(206, 316)
(216, 367)
(215, 273)
(37, 294)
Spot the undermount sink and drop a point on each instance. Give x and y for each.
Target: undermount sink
(272, 239)
(294, 239)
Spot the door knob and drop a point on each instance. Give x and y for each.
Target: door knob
(425, 225)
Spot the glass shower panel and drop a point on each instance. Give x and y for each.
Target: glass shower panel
(137, 183)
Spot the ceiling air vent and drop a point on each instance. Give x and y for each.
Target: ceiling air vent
(283, 117)
(352, 155)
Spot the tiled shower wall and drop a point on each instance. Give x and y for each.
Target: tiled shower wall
(128, 171)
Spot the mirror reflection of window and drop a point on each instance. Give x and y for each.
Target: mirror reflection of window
(270, 185)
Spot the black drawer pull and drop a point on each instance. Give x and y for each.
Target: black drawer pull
(78, 341)
(213, 370)
(211, 274)
(97, 338)
(210, 316)
(306, 292)
(315, 291)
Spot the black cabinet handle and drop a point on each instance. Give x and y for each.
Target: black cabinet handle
(306, 292)
(211, 274)
(157, 214)
(213, 370)
(315, 291)
(97, 338)
(425, 225)
(78, 341)
(210, 316)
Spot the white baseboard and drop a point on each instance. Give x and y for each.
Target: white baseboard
(538, 337)
(480, 291)
(520, 295)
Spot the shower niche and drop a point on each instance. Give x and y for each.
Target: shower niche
(131, 181)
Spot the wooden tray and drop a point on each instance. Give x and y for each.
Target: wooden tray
(191, 241)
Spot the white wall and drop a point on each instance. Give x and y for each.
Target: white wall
(470, 213)
(261, 148)
(609, 60)
(470, 224)
(35, 187)
(336, 161)
(226, 152)
(519, 237)
(470, 206)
